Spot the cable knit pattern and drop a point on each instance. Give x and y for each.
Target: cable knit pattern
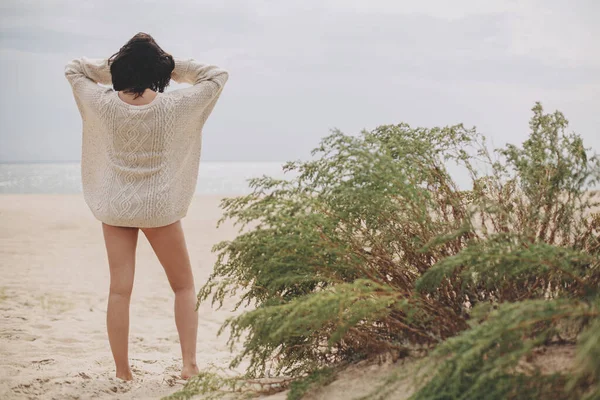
(139, 164)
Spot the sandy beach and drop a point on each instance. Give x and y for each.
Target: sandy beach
(53, 295)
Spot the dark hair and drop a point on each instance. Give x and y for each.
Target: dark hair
(141, 64)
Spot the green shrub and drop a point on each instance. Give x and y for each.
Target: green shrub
(486, 360)
(373, 248)
(333, 256)
(539, 266)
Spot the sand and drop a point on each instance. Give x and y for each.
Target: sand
(53, 295)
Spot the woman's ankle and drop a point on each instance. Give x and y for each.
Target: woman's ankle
(124, 370)
(190, 364)
(124, 374)
(189, 370)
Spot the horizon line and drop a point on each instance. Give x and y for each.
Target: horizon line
(79, 161)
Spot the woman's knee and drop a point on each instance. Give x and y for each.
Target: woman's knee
(181, 286)
(121, 289)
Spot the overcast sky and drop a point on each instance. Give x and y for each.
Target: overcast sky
(299, 68)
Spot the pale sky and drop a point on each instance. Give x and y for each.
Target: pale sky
(299, 68)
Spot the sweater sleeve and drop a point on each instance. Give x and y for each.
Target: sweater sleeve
(85, 73)
(207, 80)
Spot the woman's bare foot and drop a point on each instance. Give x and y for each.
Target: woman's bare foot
(125, 375)
(189, 370)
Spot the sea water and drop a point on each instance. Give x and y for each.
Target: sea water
(213, 177)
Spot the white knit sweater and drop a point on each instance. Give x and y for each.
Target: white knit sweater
(139, 164)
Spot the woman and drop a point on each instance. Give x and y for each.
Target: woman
(139, 165)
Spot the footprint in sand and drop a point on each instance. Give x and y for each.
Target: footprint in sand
(144, 361)
(137, 370)
(17, 334)
(41, 326)
(32, 388)
(173, 380)
(118, 386)
(44, 361)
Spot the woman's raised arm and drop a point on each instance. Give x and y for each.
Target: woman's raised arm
(207, 80)
(87, 72)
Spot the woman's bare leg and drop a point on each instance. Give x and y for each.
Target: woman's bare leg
(169, 245)
(121, 245)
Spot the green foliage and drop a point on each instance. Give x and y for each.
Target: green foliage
(486, 361)
(508, 269)
(215, 384)
(333, 255)
(372, 248)
(588, 360)
(540, 261)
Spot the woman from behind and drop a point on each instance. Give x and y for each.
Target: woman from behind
(140, 158)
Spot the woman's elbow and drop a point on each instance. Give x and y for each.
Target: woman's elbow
(222, 78)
